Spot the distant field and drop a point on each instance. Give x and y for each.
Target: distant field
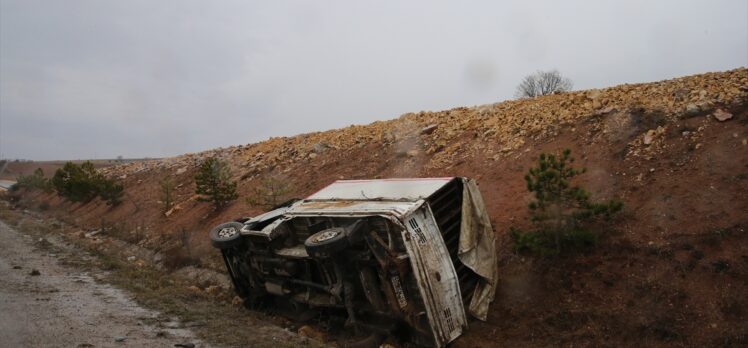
(14, 169)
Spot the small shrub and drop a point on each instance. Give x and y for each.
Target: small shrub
(35, 181)
(213, 183)
(76, 182)
(110, 191)
(561, 214)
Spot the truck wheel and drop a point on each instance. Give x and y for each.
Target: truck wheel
(326, 243)
(226, 235)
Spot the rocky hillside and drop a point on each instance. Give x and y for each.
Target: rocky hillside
(495, 130)
(673, 270)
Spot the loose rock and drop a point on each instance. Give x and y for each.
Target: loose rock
(310, 332)
(722, 115)
(649, 137)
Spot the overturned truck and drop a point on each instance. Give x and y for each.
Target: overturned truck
(405, 256)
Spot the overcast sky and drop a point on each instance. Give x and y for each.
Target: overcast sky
(98, 79)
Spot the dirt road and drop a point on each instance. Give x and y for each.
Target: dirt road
(62, 306)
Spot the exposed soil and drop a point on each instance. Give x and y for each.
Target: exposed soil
(672, 270)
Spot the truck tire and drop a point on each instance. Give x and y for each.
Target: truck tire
(326, 243)
(226, 235)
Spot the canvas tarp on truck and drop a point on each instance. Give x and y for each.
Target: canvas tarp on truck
(478, 248)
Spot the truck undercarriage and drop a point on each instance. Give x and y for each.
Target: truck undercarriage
(352, 260)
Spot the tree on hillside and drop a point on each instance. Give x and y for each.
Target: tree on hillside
(167, 186)
(82, 183)
(543, 83)
(271, 191)
(561, 214)
(35, 181)
(213, 183)
(76, 182)
(110, 191)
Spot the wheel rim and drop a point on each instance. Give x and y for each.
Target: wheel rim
(227, 232)
(324, 236)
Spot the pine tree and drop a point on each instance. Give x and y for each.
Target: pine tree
(82, 183)
(213, 183)
(167, 192)
(561, 213)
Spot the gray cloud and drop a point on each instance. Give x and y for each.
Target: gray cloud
(140, 78)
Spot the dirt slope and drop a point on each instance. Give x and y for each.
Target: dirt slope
(672, 271)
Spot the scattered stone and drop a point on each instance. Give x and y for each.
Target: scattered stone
(213, 290)
(312, 155)
(722, 115)
(649, 136)
(131, 258)
(181, 170)
(692, 109)
(119, 339)
(34, 272)
(173, 325)
(429, 129)
(173, 210)
(698, 146)
(313, 333)
(237, 301)
(92, 233)
(413, 153)
(194, 289)
(320, 147)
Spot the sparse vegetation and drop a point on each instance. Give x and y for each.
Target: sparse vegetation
(213, 183)
(110, 191)
(82, 183)
(543, 83)
(561, 214)
(271, 192)
(35, 181)
(167, 187)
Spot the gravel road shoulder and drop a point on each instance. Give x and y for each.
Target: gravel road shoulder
(65, 307)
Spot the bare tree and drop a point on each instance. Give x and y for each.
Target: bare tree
(543, 83)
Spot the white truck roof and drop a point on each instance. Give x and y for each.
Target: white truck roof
(408, 190)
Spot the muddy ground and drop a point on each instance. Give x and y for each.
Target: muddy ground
(47, 304)
(56, 291)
